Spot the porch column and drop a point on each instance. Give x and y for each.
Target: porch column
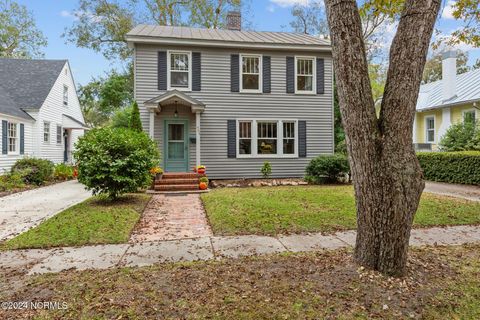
(151, 125)
(197, 137)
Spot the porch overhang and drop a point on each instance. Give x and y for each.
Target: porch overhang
(172, 97)
(69, 122)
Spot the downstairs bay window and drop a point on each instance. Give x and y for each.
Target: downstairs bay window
(267, 138)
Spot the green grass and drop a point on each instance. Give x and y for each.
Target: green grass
(94, 221)
(274, 210)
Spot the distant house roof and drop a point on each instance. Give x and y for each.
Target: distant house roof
(225, 38)
(468, 90)
(27, 83)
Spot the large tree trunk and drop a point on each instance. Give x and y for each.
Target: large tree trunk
(387, 177)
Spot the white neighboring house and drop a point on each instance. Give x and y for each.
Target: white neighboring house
(39, 111)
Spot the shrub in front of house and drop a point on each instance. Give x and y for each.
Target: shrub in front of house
(463, 136)
(114, 161)
(327, 168)
(33, 170)
(11, 181)
(63, 171)
(266, 170)
(453, 167)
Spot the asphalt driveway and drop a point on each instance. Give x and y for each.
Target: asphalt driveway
(22, 211)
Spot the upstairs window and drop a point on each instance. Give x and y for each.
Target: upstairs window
(46, 131)
(179, 70)
(250, 78)
(430, 129)
(12, 137)
(65, 95)
(469, 116)
(304, 74)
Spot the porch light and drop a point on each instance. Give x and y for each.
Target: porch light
(176, 111)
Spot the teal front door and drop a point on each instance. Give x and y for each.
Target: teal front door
(176, 146)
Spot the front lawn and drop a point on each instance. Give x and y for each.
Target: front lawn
(441, 283)
(94, 221)
(274, 210)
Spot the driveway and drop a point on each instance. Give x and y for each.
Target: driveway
(453, 190)
(22, 211)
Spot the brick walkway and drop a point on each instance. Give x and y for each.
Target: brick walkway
(169, 217)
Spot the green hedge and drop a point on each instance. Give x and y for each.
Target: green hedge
(454, 167)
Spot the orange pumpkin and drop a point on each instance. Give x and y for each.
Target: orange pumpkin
(203, 186)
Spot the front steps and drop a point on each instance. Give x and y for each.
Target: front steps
(178, 181)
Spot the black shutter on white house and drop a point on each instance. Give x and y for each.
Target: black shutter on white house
(231, 138)
(196, 71)
(266, 74)
(235, 73)
(320, 76)
(22, 138)
(4, 137)
(302, 138)
(162, 70)
(290, 75)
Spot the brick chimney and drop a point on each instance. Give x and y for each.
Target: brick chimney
(449, 75)
(234, 20)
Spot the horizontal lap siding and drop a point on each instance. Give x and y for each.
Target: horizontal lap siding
(8, 160)
(222, 105)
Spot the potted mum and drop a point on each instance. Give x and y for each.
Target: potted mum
(201, 169)
(156, 172)
(203, 183)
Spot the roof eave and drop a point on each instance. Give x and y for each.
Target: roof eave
(448, 105)
(131, 40)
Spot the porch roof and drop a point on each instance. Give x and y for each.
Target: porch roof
(170, 97)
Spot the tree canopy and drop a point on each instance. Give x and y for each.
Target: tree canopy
(19, 35)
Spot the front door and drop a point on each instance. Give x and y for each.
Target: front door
(176, 146)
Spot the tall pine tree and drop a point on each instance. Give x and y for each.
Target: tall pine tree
(135, 122)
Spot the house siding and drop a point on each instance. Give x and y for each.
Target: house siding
(222, 105)
(8, 160)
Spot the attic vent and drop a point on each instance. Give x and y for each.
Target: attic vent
(234, 20)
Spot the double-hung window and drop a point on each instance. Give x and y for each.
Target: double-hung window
(430, 129)
(305, 74)
(59, 134)
(46, 131)
(251, 73)
(267, 138)
(469, 116)
(65, 95)
(179, 70)
(12, 137)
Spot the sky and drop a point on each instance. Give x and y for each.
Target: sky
(53, 16)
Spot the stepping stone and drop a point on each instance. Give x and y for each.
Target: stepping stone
(148, 253)
(237, 246)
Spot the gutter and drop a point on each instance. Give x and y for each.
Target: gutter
(449, 105)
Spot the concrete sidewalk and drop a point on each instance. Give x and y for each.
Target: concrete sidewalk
(463, 191)
(24, 210)
(205, 248)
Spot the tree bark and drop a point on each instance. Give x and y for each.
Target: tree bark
(387, 177)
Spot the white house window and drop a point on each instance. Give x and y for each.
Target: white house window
(12, 138)
(65, 95)
(46, 131)
(430, 129)
(59, 134)
(250, 78)
(304, 74)
(267, 138)
(245, 137)
(179, 73)
(469, 116)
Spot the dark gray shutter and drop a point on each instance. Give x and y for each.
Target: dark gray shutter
(290, 75)
(4, 137)
(235, 73)
(232, 138)
(302, 138)
(196, 71)
(162, 70)
(22, 138)
(320, 76)
(266, 74)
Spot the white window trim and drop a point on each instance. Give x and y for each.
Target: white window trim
(314, 80)
(469, 110)
(49, 132)
(169, 87)
(254, 139)
(260, 73)
(65, 101)
(426, 129)
(61, 134)
(17, 141)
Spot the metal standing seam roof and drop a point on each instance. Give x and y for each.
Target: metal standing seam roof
(221, 35)
(27, 83)
(468, 89)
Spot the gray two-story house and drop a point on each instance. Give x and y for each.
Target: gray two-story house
(232, 99)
